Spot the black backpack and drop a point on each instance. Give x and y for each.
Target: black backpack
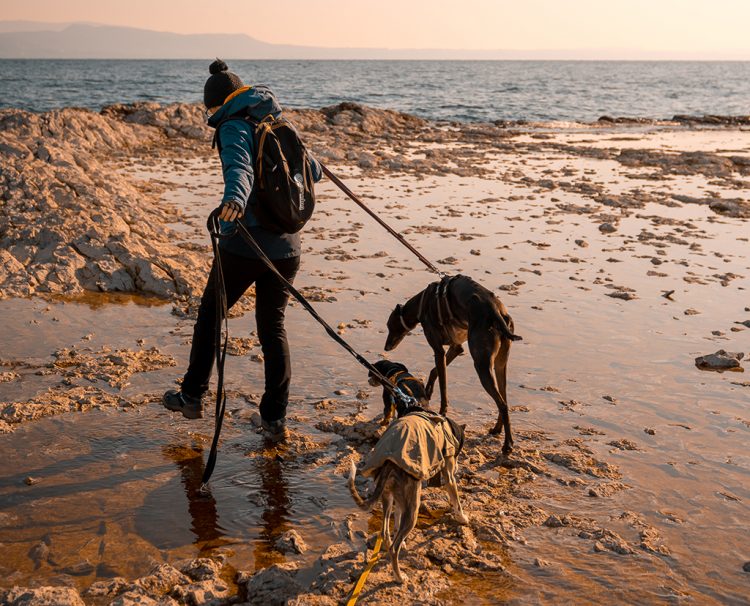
(283, 175)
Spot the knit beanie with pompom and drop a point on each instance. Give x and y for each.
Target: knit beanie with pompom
(220, 84)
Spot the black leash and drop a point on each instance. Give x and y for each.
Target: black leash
(215, 232)
(220, 349)
(340, 184)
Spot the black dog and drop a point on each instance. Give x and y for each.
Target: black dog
(451, 311)
(399, 376)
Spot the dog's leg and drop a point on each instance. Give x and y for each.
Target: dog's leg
(407, 522)
(453, 352)
(449, 481)
(484, 354)
(388, 407)
(440, 368)
(386, 528)
(501, 378)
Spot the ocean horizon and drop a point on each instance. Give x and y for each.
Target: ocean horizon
(466, 91)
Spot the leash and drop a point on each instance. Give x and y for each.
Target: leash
(342, 186)
(220, 350)
(357, 589)
(214, 229)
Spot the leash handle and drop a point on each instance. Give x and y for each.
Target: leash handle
(342, 186)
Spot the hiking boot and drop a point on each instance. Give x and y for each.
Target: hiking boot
(190, 407)
(275, 430)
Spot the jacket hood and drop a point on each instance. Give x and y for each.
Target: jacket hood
(256, 102)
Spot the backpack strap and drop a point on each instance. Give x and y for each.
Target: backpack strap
(241, 115)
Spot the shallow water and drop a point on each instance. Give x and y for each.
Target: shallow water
(118, 489)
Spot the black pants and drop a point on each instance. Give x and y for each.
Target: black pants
(270, 304)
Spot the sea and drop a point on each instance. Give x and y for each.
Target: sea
(468, 91)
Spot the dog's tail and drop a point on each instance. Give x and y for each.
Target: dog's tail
(367, 503)
(501, 322)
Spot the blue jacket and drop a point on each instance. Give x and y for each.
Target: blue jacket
(237, 161)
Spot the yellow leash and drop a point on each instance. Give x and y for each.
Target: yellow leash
(357, 589)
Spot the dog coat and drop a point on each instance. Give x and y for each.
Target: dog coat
(418, 443)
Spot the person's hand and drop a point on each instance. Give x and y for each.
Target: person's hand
(230, 211)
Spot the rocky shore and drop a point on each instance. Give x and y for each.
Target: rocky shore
(74, 223)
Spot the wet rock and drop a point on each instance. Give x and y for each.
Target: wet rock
(114, 367)
(7, 377)
(730, 207)
(554, 521)
(108, 588)
(241, 346)
(607, 540)
(40, 553)
(40, 596)
(448, 261)
(209, 592)
(358, 432)
(583, 463)
(199, 569)
(606, 489)
(721, 360)
(161, 580)
(623, 444)
(57, 401)
(133, 598)
(271, 586)
(291, 542)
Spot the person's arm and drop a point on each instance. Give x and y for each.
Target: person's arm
(237, 166)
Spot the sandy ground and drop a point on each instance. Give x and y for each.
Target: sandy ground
(619, 249)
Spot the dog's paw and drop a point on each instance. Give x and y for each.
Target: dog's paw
(401, 578)
(462, 519)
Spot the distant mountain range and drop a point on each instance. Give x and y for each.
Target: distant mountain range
(38, 40)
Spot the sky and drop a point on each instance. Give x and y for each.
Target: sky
(710, 27)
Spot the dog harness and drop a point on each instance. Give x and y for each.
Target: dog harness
(442, 304)
(419, 313)
(401, 381)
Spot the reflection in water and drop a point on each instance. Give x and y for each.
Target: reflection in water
(201, 506)
(276, 516)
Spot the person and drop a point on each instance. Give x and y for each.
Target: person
(225, 96)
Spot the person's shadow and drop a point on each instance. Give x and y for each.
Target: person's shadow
(204, 518)
(275, 517)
